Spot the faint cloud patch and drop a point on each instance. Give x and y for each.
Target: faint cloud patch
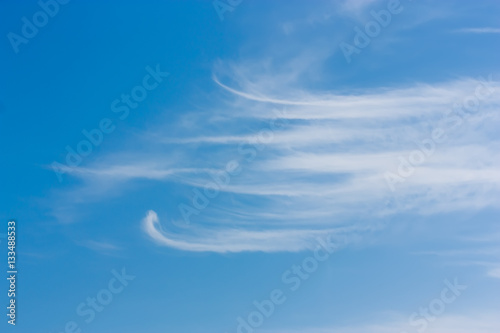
(479, 30)
(495, 273)
(101, 247)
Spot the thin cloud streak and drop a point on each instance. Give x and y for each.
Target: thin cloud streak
(479, 30)
(477, 323)
(233, 240)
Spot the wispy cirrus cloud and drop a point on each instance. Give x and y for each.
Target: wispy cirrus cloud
(312, 160)
(236, 239)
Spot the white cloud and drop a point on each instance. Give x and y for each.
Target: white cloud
(321, 166)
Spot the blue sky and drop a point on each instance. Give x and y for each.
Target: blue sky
(198, 155)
